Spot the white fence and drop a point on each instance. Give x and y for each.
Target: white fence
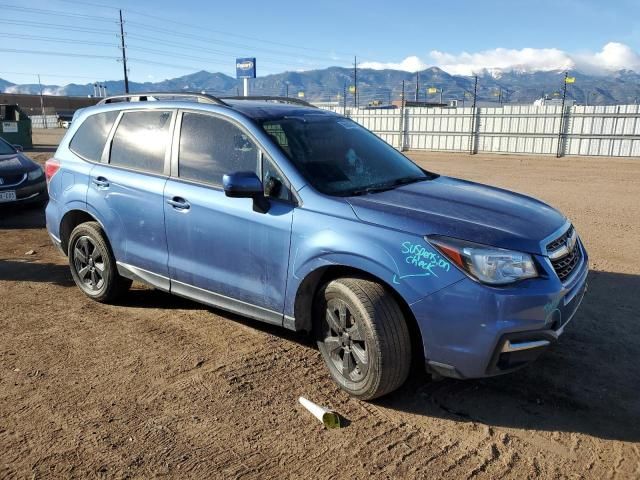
(44, 121)
(599, 130)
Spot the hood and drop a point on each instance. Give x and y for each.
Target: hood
(464, 210)
(16, 164)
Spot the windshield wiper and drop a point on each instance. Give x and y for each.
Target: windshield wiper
(387, 186)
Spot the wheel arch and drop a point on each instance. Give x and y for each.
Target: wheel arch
(304, 311)
(71, 220)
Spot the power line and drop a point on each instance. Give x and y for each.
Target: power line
(174, 22)
(55, 13)
(50, 26)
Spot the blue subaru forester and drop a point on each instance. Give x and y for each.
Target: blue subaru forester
(300, 217)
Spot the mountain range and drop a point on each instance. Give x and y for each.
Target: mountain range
(622, 87)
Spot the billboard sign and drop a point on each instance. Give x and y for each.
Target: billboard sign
(245, 67)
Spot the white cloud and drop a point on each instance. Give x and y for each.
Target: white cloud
(409, 64)
(613, 56)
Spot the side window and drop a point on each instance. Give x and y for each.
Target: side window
(275, 185)
(211, 147)
(141, 140)
(89, 140)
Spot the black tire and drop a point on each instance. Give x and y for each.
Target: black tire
(92, 264)
(368, 352)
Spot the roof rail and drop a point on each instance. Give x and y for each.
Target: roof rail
(268, 98)
(144, 96)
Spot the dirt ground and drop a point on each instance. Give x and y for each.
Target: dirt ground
(163, 387)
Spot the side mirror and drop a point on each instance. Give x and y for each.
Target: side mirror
(246, 185)
(19, 148)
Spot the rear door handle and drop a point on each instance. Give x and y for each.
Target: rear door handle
(101, 182)
(179, 203)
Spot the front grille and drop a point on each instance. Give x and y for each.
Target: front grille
(566, 264)
(560, 241)
(11, 180)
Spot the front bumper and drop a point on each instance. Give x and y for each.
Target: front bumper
(470, 330)
(28, 193)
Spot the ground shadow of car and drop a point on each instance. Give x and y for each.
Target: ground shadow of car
(588, 382)
(22, 270)
(14, 217)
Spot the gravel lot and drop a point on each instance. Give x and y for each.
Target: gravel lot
(163, 387)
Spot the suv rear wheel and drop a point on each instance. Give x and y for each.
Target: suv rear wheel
(92, 264)
(363, 337)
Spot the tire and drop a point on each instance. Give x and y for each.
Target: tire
(92, 264)
(363, 337)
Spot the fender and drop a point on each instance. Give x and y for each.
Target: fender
(404, 261)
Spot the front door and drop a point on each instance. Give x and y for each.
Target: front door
(220, 250)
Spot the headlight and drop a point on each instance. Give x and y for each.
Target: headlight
(35, 174)
(491, 265)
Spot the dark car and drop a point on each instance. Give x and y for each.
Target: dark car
(22, 180)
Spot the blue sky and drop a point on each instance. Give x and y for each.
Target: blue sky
(182, 37)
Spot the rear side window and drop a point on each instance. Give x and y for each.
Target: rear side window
(141, 141)
(211, 147)
(89, 140)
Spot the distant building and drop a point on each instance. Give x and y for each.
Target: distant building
(548, 101)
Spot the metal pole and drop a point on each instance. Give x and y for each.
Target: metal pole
(95, 89)
(44, 116)
(355, 82)
(287, 88)
(245, 87)
(440, 96)
(564, 96)
(344, 99)
(402, 118)
(124, 55)
(473, 118)
(417, 86)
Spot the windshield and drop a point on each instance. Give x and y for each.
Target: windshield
(339, 157)
(5, 148)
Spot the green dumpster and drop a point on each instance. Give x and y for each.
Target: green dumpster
(15, 126)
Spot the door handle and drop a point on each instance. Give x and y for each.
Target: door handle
(101, 182)
(179, 203)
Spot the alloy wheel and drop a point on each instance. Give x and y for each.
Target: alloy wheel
(89, 263)
(345, 341)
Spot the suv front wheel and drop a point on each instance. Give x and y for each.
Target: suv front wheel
(92, 264)
(363, 337)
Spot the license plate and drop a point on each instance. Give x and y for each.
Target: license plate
(8, 196)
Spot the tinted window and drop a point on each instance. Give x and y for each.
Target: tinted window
(275, 185)
(211, 147)
(89, 140)
(339, 157)
(5, 148)
(141, 141)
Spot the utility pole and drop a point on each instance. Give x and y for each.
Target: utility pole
(355, 82)
(417, 97)
(472, 147)
(286, 84)
(44, 116)
(124, 55)
(441, 96)
(564, 96)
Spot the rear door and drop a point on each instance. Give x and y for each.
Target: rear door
(220, 250)
(126, 191)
